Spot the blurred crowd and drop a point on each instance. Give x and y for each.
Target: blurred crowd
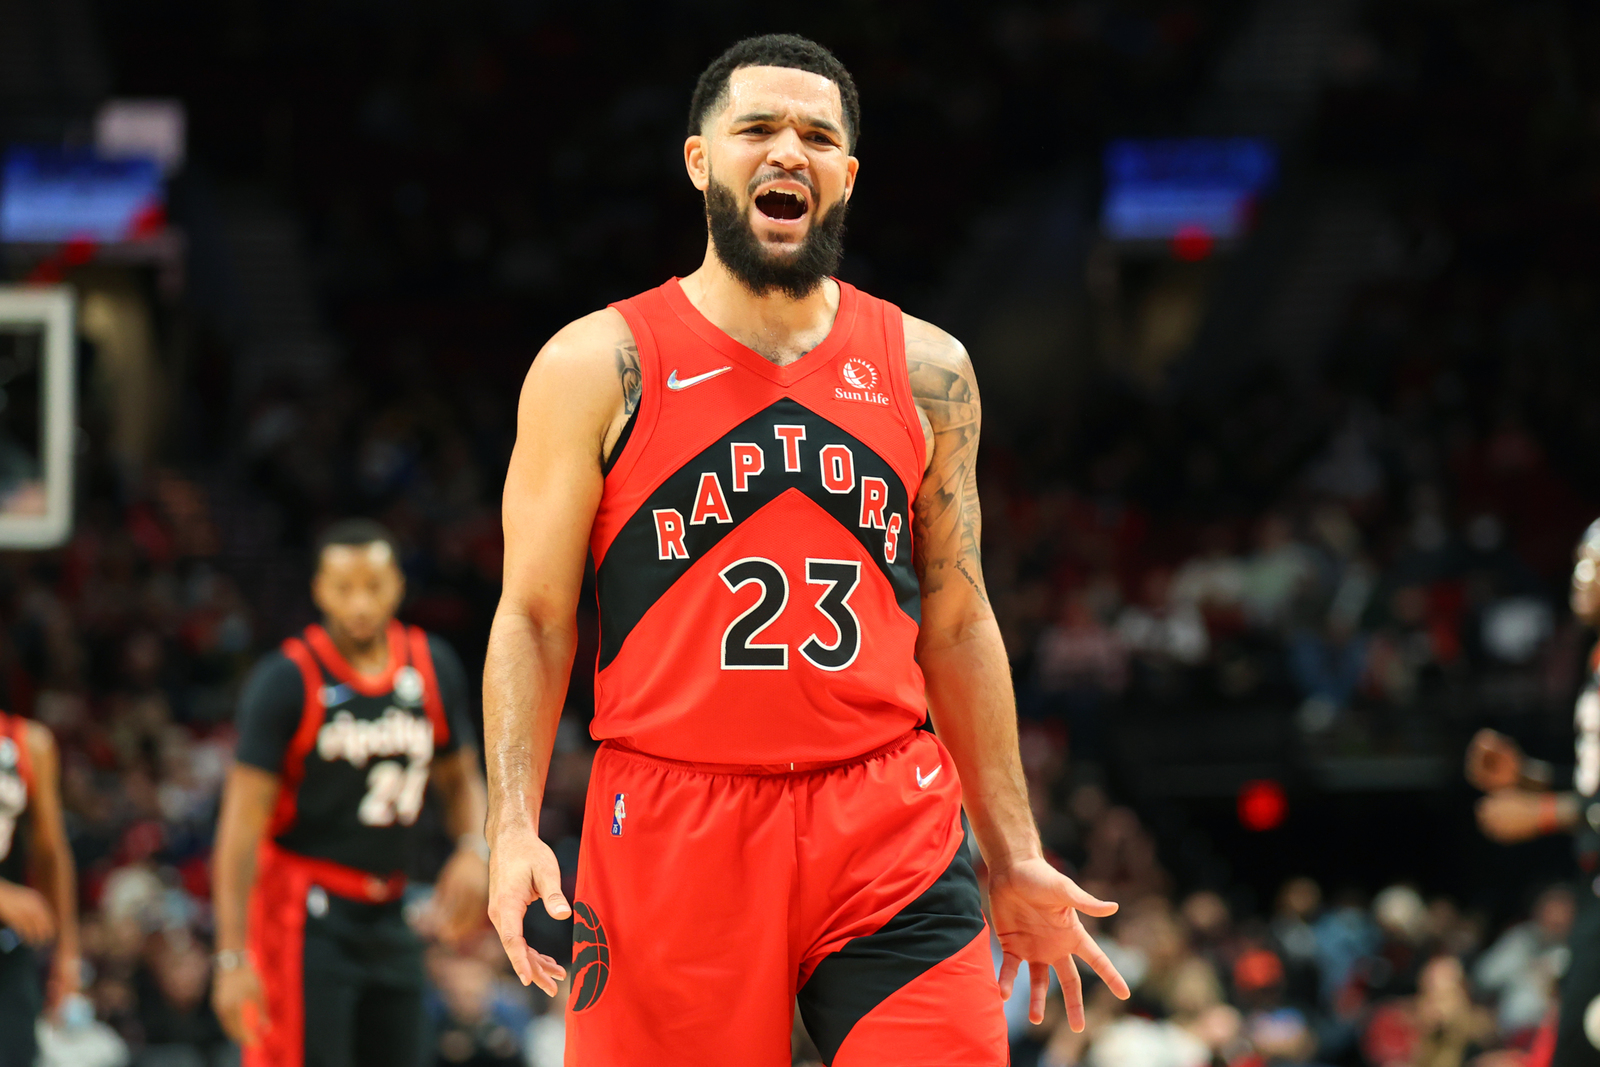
(1328, 976)
(125, 644)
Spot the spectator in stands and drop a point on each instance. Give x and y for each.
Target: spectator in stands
(1521, 969)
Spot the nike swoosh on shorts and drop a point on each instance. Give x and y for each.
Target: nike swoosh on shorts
(675, 383)
(922, 783)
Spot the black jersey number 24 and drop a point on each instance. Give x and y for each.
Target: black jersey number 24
(838, 578)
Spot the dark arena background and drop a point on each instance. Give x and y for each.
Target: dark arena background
(1287, 318)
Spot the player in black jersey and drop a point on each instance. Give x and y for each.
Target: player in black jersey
(1525, 801)
(340, 734)
(32, 839)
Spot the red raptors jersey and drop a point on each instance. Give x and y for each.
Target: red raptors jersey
(753, 543)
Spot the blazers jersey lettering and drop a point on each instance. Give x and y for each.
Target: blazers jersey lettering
(16, 786)
(355, 768)
(753, 557)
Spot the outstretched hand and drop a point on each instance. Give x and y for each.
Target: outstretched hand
(1035, 910)
(522, 869)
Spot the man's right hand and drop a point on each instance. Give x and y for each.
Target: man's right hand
(1494, 761)
(240, 1005)
(27, 912)
(522, 869)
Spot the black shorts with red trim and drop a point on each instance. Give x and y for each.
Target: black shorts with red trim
(21, 1000)
(710, 900)
(343, 977)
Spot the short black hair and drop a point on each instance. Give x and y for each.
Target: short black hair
(774, 50)
(355, 532)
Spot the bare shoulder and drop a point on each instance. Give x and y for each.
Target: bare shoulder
(939, 366)
(584, 383)
(585, 348)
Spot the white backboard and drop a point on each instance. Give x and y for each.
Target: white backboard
(38, 415)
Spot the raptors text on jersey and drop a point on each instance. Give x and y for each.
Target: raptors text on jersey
(758, 602)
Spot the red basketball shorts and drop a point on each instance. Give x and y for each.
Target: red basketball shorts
(710, 898)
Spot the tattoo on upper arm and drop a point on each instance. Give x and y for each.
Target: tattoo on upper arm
(628, 372)
(948, 522)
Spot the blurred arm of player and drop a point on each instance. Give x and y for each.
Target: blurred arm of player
(247, 801)
(575, 403)
(461, 892)
(1035, 908)
(52, 910)
(1519, 805)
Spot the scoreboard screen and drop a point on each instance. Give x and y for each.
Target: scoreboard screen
(56, 194)
(1157, 190)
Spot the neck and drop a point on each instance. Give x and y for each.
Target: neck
(365, 657)
(774, 324)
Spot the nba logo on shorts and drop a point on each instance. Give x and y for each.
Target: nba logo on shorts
(618, 812)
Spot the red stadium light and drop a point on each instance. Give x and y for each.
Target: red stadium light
(1192, 243)
(1262, 805)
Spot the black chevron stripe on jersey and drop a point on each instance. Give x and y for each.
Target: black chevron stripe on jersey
(634, 575)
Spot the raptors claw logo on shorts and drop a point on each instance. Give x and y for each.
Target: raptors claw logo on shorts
(591, 957)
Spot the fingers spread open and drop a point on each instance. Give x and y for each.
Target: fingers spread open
(1071, 992)
(1009, 965)
(551, 967)
(1096, 958)
(518, 952)
(1038, 989)
(1088, 903)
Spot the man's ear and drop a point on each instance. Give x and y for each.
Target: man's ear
(697, 162)
(850, 177)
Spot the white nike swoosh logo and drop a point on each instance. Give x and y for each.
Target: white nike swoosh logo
(922, 783)
(675, 383)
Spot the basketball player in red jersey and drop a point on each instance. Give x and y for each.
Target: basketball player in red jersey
(32, 836)
(775, 475)
(340, 734)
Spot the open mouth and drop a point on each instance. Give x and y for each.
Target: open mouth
(781, 204)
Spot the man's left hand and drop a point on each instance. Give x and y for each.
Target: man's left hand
(1035, 910)
(460, 898)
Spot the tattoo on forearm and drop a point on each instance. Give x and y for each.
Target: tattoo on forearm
(628, 373)
(949, 524)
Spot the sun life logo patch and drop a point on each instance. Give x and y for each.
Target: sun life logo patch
(859, 374)
(862, 380)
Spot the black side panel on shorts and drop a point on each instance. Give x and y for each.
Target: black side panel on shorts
(848, 984)
(21, 1000)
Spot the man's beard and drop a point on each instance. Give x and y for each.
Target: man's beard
(796, 274)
